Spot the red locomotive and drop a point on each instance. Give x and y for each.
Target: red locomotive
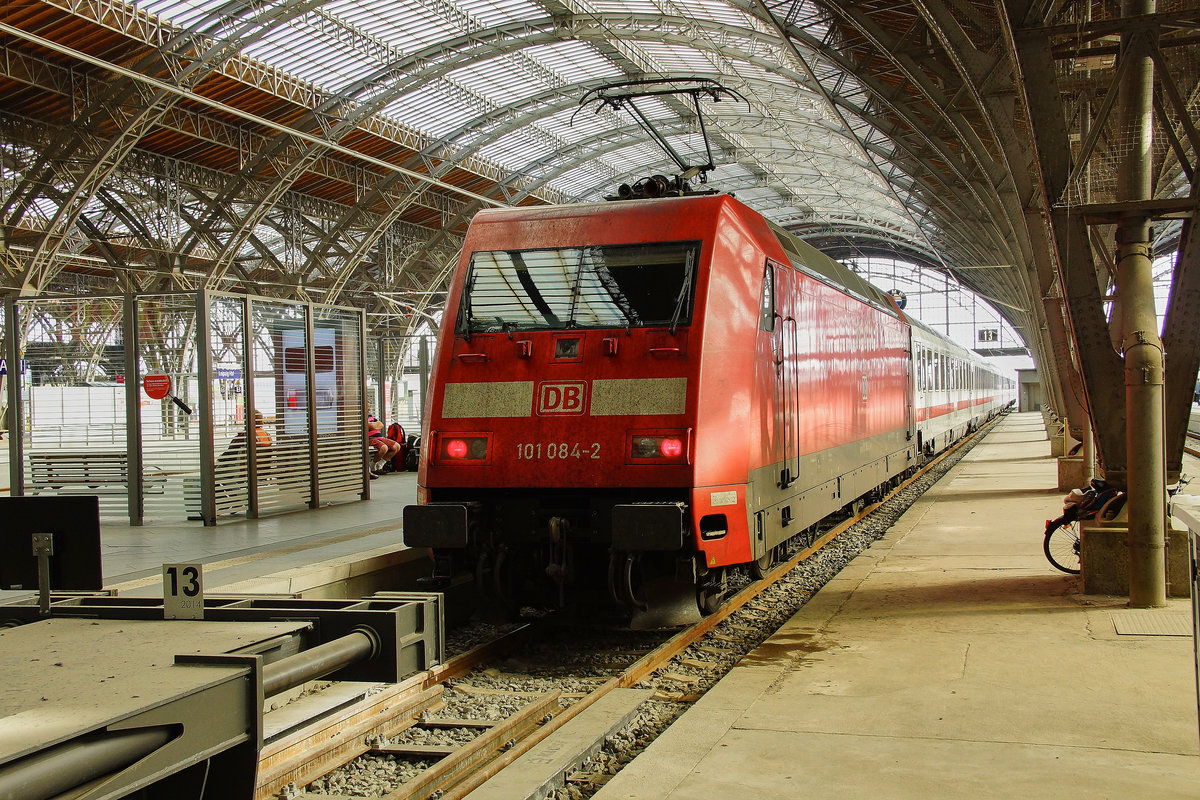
(668, 387)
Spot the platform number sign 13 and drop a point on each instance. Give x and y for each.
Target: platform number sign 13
(183, 591)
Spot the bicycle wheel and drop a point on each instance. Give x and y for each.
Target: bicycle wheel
(1062, 548)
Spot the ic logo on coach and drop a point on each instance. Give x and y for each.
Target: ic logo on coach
(566, 398)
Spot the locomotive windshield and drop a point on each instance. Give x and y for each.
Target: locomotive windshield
(617, 286)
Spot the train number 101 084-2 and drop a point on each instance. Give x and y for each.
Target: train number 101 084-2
(535, 451)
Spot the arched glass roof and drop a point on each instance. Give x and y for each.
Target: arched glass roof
(502, 80)
(337, 149)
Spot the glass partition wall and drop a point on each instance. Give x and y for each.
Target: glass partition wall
(202, 406)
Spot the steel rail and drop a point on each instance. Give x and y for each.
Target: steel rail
(330, 742)
(649, 663)
(453, 777)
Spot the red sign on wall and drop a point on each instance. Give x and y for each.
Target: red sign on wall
(157, 386)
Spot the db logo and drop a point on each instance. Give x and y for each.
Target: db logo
(562, 398)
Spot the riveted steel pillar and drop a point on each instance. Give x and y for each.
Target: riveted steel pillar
(1140, 342)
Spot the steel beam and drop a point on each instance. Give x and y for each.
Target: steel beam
(1181, 340)
(1098, 362)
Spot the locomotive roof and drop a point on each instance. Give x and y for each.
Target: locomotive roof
(800, 255)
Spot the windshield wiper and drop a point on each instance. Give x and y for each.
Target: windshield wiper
(685, 290)
(464, 310)
(531, 289)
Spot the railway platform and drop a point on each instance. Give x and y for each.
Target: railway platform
(949, 660)
(305, 553)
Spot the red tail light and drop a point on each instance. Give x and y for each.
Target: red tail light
(469, 448)
(658, 447)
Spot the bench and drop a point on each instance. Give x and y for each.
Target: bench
(86, 472)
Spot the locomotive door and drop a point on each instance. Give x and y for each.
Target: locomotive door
(787, 386)
(910, 390)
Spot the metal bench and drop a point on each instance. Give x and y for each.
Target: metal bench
(87, 472)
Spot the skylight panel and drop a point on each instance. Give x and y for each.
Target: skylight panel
(503, 80)
(625, 7)
(322, 63)
(574, 127)
(495, 12)
(179, 12)
(730, 172)
(716, 10)
(517, 151)
(677, 58)
(431, 111)
(575, 62)
(405, 26)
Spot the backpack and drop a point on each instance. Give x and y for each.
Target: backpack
(395, 432)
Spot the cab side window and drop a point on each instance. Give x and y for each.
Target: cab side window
(766, 316)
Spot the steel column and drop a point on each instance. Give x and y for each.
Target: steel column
(310, 395)
(208, 491)
(381, 376)
(249, 413)
(423, 365)
(133, 413)
(1140, 342)
(16, 422)
(380, 409)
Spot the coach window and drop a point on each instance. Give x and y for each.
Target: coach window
(766, 316)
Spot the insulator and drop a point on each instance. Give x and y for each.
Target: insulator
(625, 191)
(656, 185)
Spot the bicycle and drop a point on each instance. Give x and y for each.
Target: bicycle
(1061, 546)
(1061, 542)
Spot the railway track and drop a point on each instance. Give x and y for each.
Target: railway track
(1192, 439)
(426, 738)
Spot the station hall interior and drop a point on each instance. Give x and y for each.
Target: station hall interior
(231, 229)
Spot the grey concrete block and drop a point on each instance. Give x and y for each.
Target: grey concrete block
(1070, 473)
(1105, 555)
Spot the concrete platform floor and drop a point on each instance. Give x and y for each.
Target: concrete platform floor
(949, 660)
(239, 552)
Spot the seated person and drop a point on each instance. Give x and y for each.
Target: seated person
(382, 448)
(233, 459)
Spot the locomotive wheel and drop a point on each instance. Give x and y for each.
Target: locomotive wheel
(760, 568)
(708, 600)
(710, 595)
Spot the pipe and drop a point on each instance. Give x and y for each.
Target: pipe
(66, 766)
(1087, 453)
(361, 644)
(1143, 350)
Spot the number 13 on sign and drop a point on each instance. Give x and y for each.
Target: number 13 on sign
(183, 591)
